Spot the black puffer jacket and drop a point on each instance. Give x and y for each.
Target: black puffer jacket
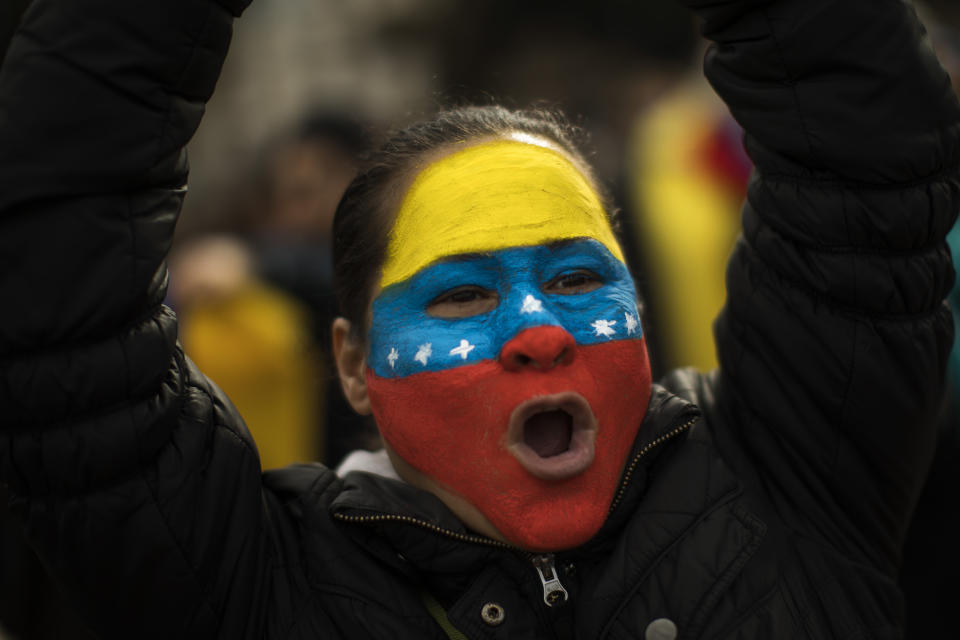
(775, 510)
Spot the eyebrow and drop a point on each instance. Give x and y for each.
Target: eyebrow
(566, 242)
(464, 257)
(470, 257)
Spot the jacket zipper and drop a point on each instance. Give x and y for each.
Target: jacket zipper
(644, 451)
(553, 591)
(461, 537)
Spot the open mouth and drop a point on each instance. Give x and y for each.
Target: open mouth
(553, 436)
(548, 433)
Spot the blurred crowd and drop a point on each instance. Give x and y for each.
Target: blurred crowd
(311, 84)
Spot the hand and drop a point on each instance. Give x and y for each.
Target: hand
(208, 270)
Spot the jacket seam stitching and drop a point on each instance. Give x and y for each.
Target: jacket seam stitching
(757, 529)
(194, 45)
(208, 600)
(791, 82)
(947, 173)
(625, 596)
(129, 400)
(760, 604)
(924, 250)
(850, 312)
(153, 313)
(934, 244)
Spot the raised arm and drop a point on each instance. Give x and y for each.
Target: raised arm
(112, 445)
(834, 338)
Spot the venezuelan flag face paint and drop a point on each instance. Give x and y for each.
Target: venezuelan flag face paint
(526, 404)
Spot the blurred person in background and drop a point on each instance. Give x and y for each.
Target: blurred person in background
(256, 304)
(768, 499)
(303, 176)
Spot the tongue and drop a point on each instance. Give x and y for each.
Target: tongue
(548, 433)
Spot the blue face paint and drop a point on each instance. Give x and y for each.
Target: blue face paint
(405, 339)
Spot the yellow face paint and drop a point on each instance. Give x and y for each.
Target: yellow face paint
(492, 196)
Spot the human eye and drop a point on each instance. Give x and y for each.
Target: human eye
(574, 282)
(463, 302)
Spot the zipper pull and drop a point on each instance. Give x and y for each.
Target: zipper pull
(553, 591)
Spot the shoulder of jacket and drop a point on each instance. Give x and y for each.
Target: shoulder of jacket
(302, 480)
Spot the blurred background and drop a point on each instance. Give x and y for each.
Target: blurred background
(309, 85)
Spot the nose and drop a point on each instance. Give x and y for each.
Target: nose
(540, 348)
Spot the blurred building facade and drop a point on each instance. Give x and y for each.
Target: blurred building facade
(288, 58)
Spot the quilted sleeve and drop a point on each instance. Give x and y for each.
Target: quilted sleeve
(834, 338)
(136, 481)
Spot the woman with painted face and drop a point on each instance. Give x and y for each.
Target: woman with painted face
(535, 482)
(503, 357)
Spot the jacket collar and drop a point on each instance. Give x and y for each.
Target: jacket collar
(668, 421)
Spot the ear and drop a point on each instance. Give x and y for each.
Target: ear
(351, 359)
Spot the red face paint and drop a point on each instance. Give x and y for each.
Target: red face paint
(453, 425)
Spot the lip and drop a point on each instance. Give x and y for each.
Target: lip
(571, 462)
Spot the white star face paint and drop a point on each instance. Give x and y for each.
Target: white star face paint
(462, 350)
(531, 305)
(631, 323)
(424, 352)
(392, 357)
(604, 328)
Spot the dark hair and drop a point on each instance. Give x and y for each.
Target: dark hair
(364, 216)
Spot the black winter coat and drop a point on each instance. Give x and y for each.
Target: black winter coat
(767, 500)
